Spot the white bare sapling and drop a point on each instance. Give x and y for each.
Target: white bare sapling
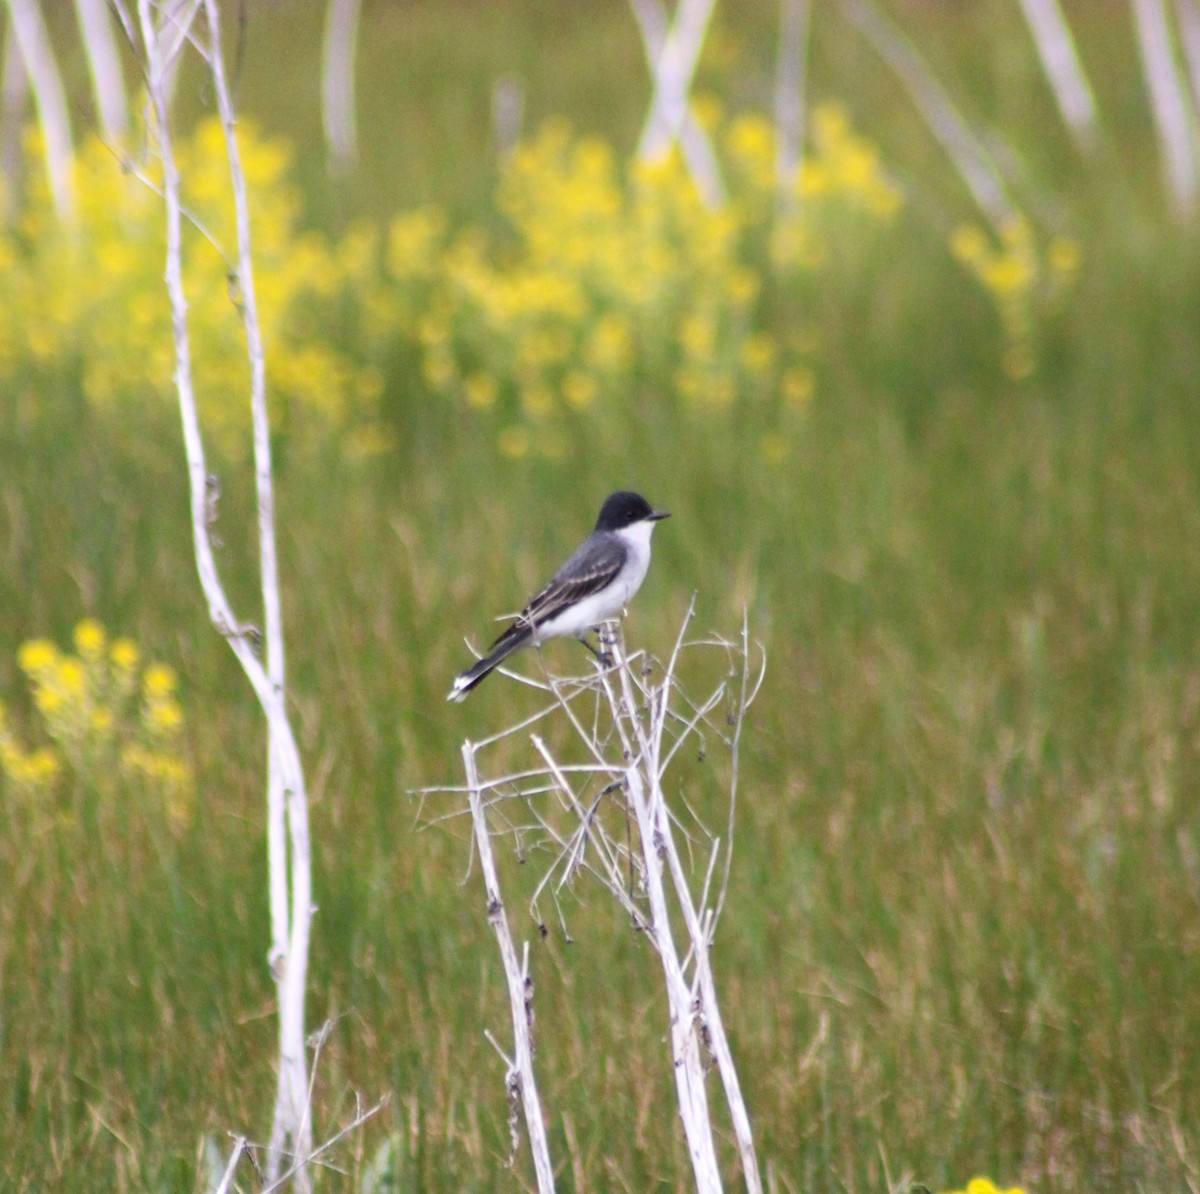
(163, 31)
(594, 809)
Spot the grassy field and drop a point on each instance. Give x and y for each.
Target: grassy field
(963, 932)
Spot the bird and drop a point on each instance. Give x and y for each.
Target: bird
(592, 587)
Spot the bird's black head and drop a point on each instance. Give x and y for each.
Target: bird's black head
(623, 509)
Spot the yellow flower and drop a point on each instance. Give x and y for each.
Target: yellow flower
(49, 700)
(124, 654)
(698, 335)
(983, 1185)
(29, 771)
(36, 656)
(159, 680)
(610, 344)
(42, 765)
(480, 389)
(90, 639)
(514, 442)
(70, 677)
(164, 717)
(815, 179)
(579, 389)
(968, 243)
(798, 385)
(1008, 274)
(743, 286)
(758, 353)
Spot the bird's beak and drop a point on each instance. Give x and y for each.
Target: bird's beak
(655, 515)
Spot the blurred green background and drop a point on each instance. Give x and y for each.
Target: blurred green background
(951, 470)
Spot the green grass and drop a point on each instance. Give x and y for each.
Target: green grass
(962, 935)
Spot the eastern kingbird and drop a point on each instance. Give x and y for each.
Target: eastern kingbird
(593, 586)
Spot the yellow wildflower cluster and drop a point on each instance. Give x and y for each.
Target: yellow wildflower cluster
(110, 724)
(611, 283)
(983, 1185)
(28, 771)
(86, 302)
(840, 189)
(846, 166)
(1017, 276)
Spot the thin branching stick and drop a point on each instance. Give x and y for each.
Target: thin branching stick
(302, 1164)
(698, 922)
(235, 1157)
(519, 985)
(645, 802)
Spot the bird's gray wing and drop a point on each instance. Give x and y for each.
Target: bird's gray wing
(592, 568)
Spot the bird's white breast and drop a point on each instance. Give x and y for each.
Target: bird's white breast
(610, 603)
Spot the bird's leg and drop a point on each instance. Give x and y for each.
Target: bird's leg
(607, 635)
(604, 658)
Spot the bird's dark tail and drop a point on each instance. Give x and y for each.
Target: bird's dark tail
(507, 643)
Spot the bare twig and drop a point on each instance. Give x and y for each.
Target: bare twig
(239, 1147)
(521, 1080)
(303, 1163)
(698, 922)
